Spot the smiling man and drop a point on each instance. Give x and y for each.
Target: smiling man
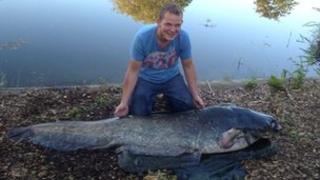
(155, 53)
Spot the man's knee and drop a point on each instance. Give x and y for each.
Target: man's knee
(139, 111)
(140, 105)
(181, 103)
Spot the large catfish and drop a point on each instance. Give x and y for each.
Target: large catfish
(214, 129)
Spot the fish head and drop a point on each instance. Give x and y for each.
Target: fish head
(226, 117)
(246, 127)
(238, 127)
(251, 120)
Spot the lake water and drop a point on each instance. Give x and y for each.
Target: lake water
(75, 42)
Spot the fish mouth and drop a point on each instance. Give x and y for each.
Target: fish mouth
(236, 138)
(263, 122)
(240, 138)
(267, 132)
(275, 126)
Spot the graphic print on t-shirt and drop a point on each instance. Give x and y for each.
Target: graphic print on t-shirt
(160, 60)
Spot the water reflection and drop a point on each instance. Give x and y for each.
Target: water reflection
(3, 79)
(316, 8)
(209, 24)
(78, 42)
(274, 9)
(145, 11)
(12, 45)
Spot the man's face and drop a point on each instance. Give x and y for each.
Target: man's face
(169, 26)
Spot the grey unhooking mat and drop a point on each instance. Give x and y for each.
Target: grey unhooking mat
(224, 166)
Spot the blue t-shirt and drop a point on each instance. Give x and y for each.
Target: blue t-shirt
(159, 65)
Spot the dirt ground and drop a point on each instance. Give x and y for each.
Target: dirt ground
(297, 110)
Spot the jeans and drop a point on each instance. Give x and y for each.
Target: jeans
(175, 91)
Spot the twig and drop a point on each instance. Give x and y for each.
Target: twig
(288, 93)
(209, 86)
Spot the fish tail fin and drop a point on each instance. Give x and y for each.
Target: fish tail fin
(57, 136)
(21, 133)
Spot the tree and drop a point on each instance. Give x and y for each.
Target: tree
(273, 9)
(145, 11)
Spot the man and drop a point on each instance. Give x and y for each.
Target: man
(154, 68)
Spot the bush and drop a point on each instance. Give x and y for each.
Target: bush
(298, 77)
(251, 84)
(276, 83)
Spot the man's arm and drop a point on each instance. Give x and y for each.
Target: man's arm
(190, 73)
(129, 83)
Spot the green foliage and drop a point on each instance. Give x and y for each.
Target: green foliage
(278, 83)
(312, 53)
(298, 76)
(251, 84)
(273, 9)
(145, 11)
(101, 100)
(294, 134)
(75, 112)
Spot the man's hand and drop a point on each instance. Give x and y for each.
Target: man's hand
(198, 102)
(121, 110)
(190, 74)
(129, 83)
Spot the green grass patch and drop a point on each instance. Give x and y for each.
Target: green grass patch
(298, 76)
(101, 100)
(76, 112)
(251, 84)
(276, 83)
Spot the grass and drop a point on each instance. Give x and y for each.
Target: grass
(76, 112)
(276, 83)
(101, 100)
(298, 76)
(251, 84)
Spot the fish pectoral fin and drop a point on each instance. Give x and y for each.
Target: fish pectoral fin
(227, 138)
(151, 151)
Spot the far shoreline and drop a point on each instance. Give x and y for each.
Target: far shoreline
(232, 83)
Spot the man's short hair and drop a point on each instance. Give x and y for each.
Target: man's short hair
(171, 8)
